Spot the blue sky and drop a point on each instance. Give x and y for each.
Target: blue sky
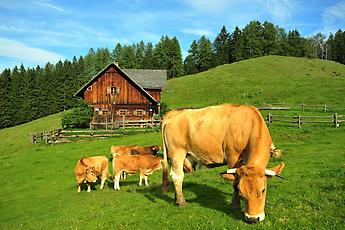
(34, 32)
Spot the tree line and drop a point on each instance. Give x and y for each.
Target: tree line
(30, 93)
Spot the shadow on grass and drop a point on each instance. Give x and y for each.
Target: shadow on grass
(206, 196)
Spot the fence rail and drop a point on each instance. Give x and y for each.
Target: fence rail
(112, 130)
(302, 106)
(335, 119)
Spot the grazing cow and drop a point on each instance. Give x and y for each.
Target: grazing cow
(144, 164)
(145, 150)
(275, 153)
(89, 168)
(232, 134)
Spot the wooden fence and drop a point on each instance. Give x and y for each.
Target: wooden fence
(126, 123)
(112, 130)
(303, 107)
(334, 119)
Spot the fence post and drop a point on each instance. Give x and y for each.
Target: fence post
(325, 108)
(336, 124)
(123, 122)
(302, 106)
(299, 121)
(45, 137)
(33, 139)
(270, 118)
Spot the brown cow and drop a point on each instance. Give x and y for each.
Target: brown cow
(233, 134)
(89, 168)
(144, 164)
(134, 149)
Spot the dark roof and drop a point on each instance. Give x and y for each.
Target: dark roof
(148, 78)
(157, 82)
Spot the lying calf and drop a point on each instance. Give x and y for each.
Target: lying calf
(144, 164)
(89, 168)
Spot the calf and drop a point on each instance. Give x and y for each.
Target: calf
(144, 164)
(89, 168)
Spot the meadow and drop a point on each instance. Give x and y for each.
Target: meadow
(39, 190)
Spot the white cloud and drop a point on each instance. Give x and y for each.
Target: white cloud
(51, 6)
(336, 11)
(23, 52)
(282, 10)
(333, 18)
(198, 32)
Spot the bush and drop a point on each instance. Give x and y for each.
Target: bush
(80, 117)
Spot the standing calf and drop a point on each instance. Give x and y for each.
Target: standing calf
(144, 164)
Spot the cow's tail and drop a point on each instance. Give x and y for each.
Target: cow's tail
(165, 179)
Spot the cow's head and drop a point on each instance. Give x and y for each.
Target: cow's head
(251, 184)
(155, 149)
(90, 174)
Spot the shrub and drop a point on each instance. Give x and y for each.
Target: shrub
(80, 117)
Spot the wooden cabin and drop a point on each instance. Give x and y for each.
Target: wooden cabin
(124, 94)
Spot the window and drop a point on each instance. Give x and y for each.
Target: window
(89, 88)
(139, 112)
(113, 90)
(122, 112)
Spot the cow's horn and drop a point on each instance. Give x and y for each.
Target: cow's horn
(272, 173)
(229, 171)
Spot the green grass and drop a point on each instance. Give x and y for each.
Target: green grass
(272, 78)
(39, 190)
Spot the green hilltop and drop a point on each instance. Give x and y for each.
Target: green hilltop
(268, 79)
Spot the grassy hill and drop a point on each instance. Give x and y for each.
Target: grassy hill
(270, 79)
(39, 191)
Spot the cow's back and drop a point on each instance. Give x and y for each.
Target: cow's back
(100, 163)
(210, 132)
(135, 162)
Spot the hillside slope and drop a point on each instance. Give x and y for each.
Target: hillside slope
(17, 138)
(270, 79)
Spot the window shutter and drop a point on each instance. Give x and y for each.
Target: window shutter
(108, 90)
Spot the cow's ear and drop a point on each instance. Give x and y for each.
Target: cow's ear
(278, 169)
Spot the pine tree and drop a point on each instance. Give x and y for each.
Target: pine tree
(116, 54)
(191, 61)
(338, 48)
(253, 40)
(236, 45)
(296, 46)
(5, 111)
(160, 53)
(270, 41)
(139, 55)
(102, 59)
(175, 67)
(128, 58)
(204, 54)
(281, 41)
(221, 47)
(148, 60)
